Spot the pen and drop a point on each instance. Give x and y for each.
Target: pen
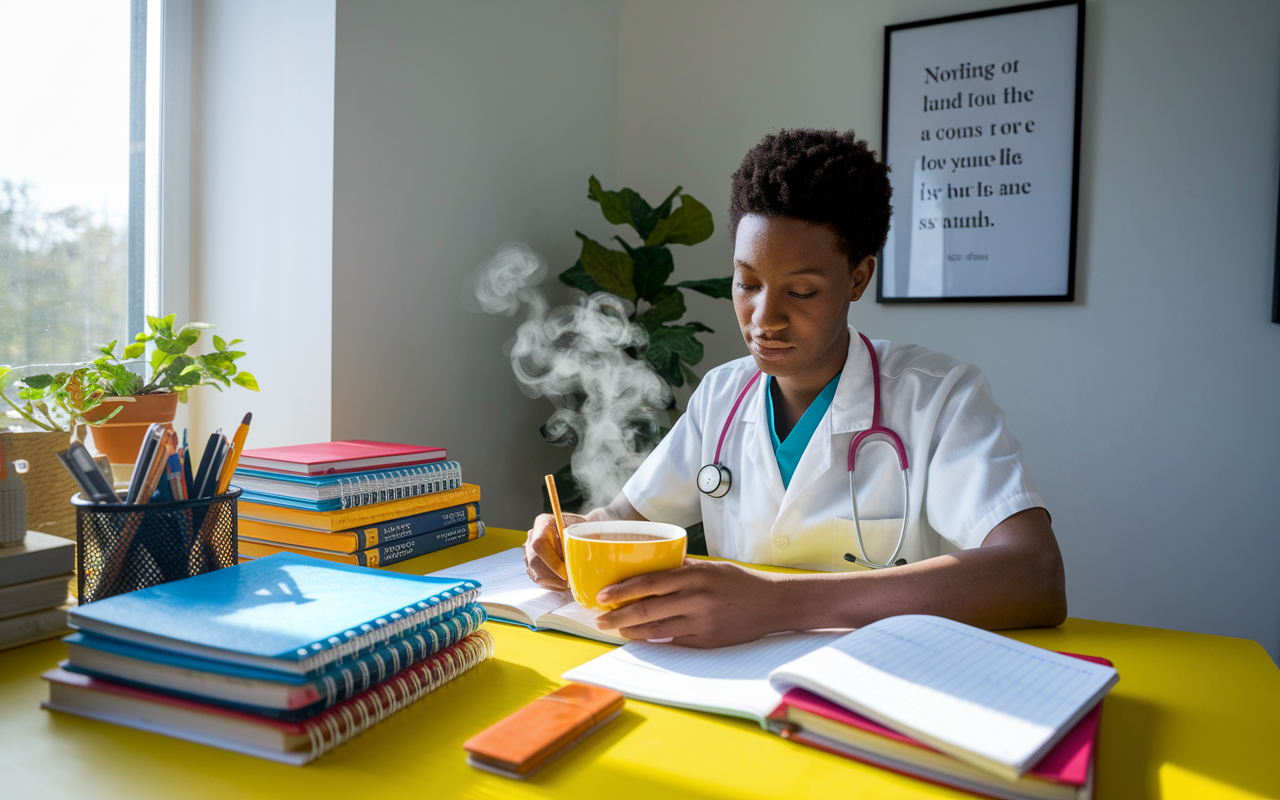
(233, 455)
(186, 467)
(174, 476)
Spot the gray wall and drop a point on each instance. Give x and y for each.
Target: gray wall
(459, 126)
(1148, 407)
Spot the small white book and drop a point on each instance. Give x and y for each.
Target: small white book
(990, 701)
(508, 595)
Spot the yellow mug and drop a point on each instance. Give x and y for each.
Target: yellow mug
(600, 554)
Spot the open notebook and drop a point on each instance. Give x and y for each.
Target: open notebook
(992, 702)
(508, 595)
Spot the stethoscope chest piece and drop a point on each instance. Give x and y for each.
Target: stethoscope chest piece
(714, 480)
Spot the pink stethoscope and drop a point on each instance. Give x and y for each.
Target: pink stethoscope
(715, 479)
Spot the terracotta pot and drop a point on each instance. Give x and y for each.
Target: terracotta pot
(47, 485)
(120, 439)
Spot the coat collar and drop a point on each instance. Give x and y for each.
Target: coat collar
(854, 402)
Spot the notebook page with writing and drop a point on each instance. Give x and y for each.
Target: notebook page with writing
(730, 680)
(994, 702)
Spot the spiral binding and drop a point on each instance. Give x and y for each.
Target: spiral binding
(375, 633)
(398, 484)
(344, 722)
(387, 661)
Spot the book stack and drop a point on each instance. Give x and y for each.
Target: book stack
(283, 658)
(354, 502)
(34, 579)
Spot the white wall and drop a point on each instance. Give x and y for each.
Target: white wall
(460, 126)
(261, 231)
(1147, 408)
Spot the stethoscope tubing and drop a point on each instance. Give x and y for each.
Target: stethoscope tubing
(876, 429)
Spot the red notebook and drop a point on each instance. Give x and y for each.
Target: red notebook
(352, 455)
(1065, 772)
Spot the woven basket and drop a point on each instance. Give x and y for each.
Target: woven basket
(47, 485)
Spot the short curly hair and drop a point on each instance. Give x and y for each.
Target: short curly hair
(824, 177)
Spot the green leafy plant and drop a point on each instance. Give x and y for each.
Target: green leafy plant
(172, 369)
(59, 401)
(639, 273)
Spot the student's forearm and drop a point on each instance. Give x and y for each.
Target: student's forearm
(1014, 580)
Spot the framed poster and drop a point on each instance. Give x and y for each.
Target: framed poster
(982, 133)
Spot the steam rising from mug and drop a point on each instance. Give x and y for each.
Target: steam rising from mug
(608, 403)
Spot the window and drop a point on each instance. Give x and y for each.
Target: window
(79, 176)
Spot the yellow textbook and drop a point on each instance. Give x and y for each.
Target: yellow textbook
(364, 537)
(379, 556)
(349, 518)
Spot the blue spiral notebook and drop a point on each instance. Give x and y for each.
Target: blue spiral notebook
(285, 612)
(265, 693)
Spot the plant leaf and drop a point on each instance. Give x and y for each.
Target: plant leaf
(5, 370)
(109, 349)
(219, 343)
(247, 381)
(38, 382)
(653, 265)
(613, 205)
(612, 270)
(577, 277)
(234, 342)
(194, 326)
(134, 350)
(667, 306)
(699, 327)
(712, 287)
(689, 224)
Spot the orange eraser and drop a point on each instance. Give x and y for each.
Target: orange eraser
(522, 743)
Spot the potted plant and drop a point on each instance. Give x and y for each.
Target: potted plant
(119, 403)
(131, 403)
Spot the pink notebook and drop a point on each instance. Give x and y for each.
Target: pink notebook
(352, 455)
(1068, 763)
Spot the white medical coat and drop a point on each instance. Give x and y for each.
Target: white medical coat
(965, 473)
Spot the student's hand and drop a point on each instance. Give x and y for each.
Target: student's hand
(544, 566)
(701, 604)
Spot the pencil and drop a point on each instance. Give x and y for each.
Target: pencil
(555, 509)
(233, 457)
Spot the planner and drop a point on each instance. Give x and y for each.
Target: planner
(284, 612)
(992, 702)
(508, 595)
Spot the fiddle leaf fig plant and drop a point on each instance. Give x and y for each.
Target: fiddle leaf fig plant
(639, 272)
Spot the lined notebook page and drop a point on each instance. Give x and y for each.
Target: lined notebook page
(503, 581)
(727, 680)
(955, 686)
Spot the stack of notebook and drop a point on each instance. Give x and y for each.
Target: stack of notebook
(34, 579)
(354, 502)
(283, 658)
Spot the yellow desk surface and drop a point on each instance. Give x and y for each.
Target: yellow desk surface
(1193, 716)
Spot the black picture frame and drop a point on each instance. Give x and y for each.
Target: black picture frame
(1069, 294)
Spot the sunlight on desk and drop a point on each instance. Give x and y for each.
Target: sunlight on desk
(1192, 716)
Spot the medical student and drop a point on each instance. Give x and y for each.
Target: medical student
(966, 538)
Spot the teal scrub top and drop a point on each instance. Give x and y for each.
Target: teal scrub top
(788, 452)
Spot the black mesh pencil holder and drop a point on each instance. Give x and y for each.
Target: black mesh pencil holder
(122, 548)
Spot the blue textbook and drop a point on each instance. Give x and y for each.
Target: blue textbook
(285, 612)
